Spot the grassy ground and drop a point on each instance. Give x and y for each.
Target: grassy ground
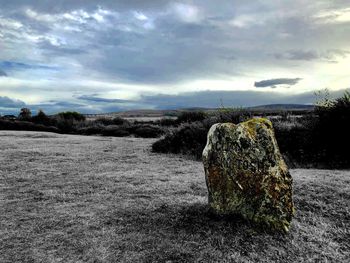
(67, 198)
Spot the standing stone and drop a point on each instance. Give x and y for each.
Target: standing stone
(246, 174)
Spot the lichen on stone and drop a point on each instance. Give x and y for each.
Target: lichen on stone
(246, 174)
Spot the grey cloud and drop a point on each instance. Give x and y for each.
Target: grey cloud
(335, 54)
(215, 99)
(47, 47)
(94, 98)
(66, 104)
(6, 102)
(329, 55)
(174, 52)
(66, 5)
(123, 49)
(171, 54)
(2, 73)
(205, 99)
(53, 107)
(297, 55)
(13, 65)
(274, 82)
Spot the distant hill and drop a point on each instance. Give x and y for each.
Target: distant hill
(169, 113)
(283, 107)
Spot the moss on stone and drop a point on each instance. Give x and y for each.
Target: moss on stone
(245, 173)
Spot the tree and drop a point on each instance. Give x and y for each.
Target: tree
(25, 114)
(41, 118)
(323, 99)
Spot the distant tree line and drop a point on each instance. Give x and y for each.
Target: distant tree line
(318, 138)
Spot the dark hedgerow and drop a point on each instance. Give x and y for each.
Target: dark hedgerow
(146, 131)
(331, 133)
(191, 116)
(71, 115)
(109, 121)
(25, 114)
(318, 139)
(167, 122)
(42, 118)
(188, 139)
(26, 126)
(68, 121)
(116, 131)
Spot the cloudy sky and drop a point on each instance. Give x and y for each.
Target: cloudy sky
(104, 56)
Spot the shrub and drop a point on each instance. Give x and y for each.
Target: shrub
(116, 131)
(42, 118)
(120, 121)
(232, 115)
(108, 121)
(68, 121)
(90, 130)
(331, 133)
(103, 121)
(167, 122)
(138, 130)
(191, 116)
(188, 139)
(25, 114)
(146, 131)
(25, 126)
(71, 115)
(65, 125)
(318, 139)
(295, 143)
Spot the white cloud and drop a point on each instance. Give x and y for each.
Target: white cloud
(78, 16)
(244, 21)
(187, 13)
(40, 17)
(178, 47)
(140, 16)
(10, 23)
(336, 16)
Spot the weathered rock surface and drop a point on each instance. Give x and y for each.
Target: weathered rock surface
(246, 174)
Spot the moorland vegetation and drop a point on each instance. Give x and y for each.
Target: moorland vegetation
(316, 138)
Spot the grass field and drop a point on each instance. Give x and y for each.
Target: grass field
(66, 198)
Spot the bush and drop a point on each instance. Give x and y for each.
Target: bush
(191, 116)
(65, 125)
(26, 126)
(167, 122)
(331, 133)
(25, 114)
(232, 115)
(115, 121)
(68, 121)
(138, 130)
(189, 139)
(42, 118)
(116, 131)
(295, 143)
(146, 131)
(318, 139)
(120, 121)
(71, 115)
(90, 130)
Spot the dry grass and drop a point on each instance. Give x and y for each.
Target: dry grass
(67, 198)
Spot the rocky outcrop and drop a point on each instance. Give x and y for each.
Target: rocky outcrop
(246, 174)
